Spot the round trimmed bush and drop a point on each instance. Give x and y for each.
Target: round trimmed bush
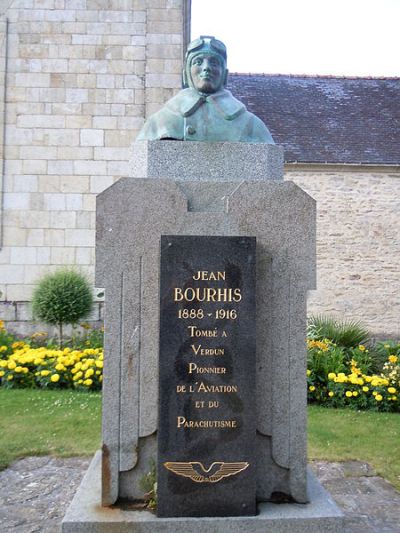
(63, 297)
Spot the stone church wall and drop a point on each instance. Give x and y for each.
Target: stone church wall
(358, 243)
(81, 75)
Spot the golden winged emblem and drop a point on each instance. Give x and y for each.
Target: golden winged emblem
(196, 471)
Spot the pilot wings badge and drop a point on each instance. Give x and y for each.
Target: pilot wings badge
(196, 471)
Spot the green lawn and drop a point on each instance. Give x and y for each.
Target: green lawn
(344, 434)
(34, 422)
(67, 423)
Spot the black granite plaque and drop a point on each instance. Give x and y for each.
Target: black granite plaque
(207, 411)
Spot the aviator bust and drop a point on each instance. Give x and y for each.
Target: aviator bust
(205, 110)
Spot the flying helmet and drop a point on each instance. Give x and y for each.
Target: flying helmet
(205, 44)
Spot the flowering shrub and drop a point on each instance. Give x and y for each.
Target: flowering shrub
(90, 338)
(356, 389)
(34, 362)
(391, 368)
(340, 374)
(324, 357)
(6, 341)
(52, 368)
(31, 364)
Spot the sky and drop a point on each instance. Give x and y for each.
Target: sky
(315, 37)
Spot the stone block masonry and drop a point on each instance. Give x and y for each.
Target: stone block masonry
(81, 76)
(18, 318)
(358, 246)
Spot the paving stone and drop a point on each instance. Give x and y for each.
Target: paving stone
(357, 468)
(36, 491)
(370, 503)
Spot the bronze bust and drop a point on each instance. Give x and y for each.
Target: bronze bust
(204, 110)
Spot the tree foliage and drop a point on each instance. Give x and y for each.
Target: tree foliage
(62, 297)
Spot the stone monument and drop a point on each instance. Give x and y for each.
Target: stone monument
(206, 256)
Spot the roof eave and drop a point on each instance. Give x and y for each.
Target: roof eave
(342, 166)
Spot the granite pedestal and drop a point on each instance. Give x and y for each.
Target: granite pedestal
(176, 190)
(320, 515)
(281, 216)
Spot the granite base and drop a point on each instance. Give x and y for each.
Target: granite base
(199, 161)
(85, 514)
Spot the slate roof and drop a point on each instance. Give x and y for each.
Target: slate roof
(326, 119)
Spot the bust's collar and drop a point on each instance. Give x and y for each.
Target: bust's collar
(188, 101)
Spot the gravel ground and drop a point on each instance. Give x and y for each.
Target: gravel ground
(35, 493)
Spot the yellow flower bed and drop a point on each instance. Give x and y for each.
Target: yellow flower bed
(356, 390)
(340, 375)
(52, 368)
